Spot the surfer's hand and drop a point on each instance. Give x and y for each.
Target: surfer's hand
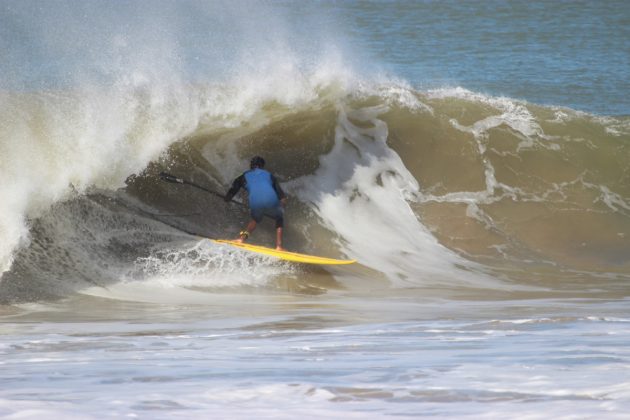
(283, 202)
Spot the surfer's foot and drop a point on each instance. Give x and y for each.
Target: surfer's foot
(243, 235)
(279, 248)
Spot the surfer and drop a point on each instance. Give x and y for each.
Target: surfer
(264, 196)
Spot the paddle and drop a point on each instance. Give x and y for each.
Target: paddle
(175, 180)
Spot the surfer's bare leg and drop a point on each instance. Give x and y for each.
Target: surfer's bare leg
(244, 235)
(279, 239)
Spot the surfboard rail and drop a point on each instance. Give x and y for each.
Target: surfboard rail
(284, 255)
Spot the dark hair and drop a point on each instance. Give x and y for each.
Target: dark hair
(257, 162)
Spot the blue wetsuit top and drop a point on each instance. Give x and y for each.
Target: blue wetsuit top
(264, 193)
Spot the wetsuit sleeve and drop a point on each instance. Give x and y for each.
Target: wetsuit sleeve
(236, 186)
(276, 187)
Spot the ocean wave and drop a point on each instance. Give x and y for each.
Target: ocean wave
(431, 189)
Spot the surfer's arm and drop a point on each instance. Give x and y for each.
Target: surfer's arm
(236, 186)
(276, 186)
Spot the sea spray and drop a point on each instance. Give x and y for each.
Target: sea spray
(113, 89)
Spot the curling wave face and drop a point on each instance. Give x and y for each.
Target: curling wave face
(434, 189)
(444, 189)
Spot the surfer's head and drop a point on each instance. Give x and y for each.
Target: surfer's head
(257, 162)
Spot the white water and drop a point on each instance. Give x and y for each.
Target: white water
(124, 85)
(360, 188)
(92, 94)
(238, 356)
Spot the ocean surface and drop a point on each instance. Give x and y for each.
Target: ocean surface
(472, 156)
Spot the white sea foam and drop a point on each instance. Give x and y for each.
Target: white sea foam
(465, 364)
(363, 182)
(102, 126)
(205, 264)
(66, 142)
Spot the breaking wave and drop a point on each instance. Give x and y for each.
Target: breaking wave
(440, 189)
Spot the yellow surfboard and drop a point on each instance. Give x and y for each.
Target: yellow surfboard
(285, 255)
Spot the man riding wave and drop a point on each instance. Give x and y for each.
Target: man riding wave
(265, 197)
